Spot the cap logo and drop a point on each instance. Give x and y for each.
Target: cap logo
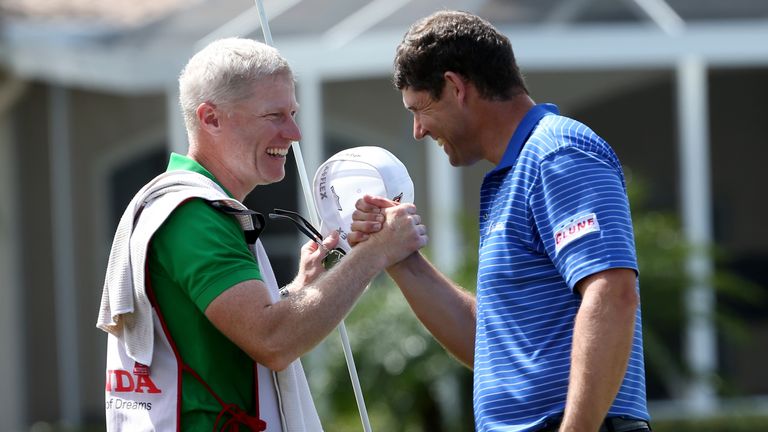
(323, 182)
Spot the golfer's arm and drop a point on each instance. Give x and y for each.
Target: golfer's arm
(602, 342)
(445, 309)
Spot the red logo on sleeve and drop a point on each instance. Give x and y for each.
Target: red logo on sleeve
(574, 229)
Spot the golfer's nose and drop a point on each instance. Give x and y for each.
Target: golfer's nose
(418, 129)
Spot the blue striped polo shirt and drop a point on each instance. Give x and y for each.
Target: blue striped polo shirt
(554, 211)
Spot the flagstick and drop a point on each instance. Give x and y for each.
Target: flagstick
(314, 218)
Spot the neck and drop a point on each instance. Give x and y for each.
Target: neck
(219, 168)
(499, 120)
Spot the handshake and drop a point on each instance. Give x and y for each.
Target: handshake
(365, 195)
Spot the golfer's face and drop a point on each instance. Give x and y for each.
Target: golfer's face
(261, 130)
(439, 119)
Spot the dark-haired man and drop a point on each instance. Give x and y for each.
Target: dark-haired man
(553, 335)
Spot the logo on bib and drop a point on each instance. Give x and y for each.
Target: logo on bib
(574, 229)
(123, 381)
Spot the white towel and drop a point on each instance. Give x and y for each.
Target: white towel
(125, 308)
(296, 406)
(126, 311)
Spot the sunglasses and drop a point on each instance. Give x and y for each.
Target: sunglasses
(331, 256)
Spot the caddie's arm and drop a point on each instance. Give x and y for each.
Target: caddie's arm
(277, 334)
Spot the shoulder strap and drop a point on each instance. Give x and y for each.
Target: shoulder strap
(252, 222)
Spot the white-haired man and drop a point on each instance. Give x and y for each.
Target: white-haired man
(232, 342)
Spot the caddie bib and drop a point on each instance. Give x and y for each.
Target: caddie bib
(148, 398)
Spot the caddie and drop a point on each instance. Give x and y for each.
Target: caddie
(199, 337)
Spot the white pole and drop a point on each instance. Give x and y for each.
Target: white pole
(64, 285)
(445, 239)
(701, 343)
(177, 132)
(314, 219)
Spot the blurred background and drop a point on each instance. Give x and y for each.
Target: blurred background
(88, 114)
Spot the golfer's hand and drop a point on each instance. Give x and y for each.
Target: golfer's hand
(311, 261)
(395, 228)
(401, 234)
(368, 218)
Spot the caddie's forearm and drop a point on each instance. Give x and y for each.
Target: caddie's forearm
(446, 310)
(309, 313)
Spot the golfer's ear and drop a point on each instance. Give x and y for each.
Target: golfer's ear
(456, 84)
(208, 117)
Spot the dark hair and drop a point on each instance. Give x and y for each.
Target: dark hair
(462, 43)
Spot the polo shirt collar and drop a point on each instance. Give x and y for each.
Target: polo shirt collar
(523, 131)
(179, 162)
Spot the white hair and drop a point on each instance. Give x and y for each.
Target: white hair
(223, 73)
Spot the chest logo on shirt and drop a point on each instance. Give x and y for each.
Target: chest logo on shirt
(498, 226)
(574, 229)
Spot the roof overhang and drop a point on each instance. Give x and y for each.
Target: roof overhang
(120, 67)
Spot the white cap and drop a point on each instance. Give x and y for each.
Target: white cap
(350, 174)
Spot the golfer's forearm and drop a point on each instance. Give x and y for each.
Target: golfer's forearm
(446, 310)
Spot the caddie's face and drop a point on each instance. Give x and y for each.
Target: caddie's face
(443, 121)
(259, 131)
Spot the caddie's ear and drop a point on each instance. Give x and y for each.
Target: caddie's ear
(208, 117)
(456, 85)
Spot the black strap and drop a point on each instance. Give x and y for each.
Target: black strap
(610, 424)
(258, 220)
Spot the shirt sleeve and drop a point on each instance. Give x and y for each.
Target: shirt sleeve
(581, 211)
(203, 251)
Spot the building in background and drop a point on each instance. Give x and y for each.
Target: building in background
(88, 113)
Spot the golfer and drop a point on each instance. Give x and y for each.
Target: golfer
(553, 334)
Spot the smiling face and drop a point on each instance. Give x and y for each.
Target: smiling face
(257, 132)
(446, 121)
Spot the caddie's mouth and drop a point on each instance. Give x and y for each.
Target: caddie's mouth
(277, 152)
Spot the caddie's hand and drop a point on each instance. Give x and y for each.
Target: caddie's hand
(311, 262)
(401, 234)
(367, 218)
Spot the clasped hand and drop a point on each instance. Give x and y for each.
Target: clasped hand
(396, 226)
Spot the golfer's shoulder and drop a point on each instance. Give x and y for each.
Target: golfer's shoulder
(558, 136)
